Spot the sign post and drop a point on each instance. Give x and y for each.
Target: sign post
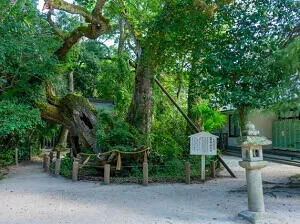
(203, 143)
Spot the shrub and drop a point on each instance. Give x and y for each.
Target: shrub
(208, 118)
(113, 133)
(66, 167)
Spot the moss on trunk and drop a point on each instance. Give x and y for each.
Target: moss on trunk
(76, 114)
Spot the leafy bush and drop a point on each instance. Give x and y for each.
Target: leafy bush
(113, 133)
(16, 119)
(66, 167)
(17, 127)
(6, 159)
(208, 118)
(169, 139)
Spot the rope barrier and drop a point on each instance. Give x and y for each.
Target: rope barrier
(119, 160)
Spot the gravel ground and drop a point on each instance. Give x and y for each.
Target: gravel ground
(28, 195)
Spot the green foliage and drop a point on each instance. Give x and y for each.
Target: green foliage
(66, 167)
(25, 59)
(285, 107)
(16, 119)
(18, 123)
(6, 158)
(99, 73)
(290, 55)
(208, 118)
(113, 133)
(238, 64)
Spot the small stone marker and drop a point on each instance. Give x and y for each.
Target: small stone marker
(107, 174)
(145, 174)
(203, 143)
(57, 167)
(253, 162)
(75, 171)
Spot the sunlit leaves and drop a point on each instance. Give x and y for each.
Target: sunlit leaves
(15, 118)
(26, 50)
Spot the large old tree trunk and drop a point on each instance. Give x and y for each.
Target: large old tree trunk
(75, 114)
(141, 107)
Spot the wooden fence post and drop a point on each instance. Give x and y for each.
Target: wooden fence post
(17, 157)
(187, 173)
(107, 174)
(44, 161)
(47, 166)
(145, 174)
(51, 156)
(212, 169)
(75, 171)
(57, 154)
(57, 167)
(203, 167)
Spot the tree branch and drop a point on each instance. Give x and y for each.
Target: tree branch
(97, 23)
(58, 31)
(50, 95)
(50, 112)
(68, 7)
(98, 7)
(132, 29)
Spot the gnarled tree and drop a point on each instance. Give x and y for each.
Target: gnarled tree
(74, 112)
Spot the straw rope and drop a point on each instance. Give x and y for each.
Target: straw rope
(119, 160)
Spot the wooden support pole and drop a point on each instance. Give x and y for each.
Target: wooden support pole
(212, 169)
(177, 106)
(107, 174)
(51, 156)
(187, 173)
(145, 174)
(16, 157)
(190, 122)
(47, 166)
(226, 167)
(203, 167)
(57, 167)
(75, 171)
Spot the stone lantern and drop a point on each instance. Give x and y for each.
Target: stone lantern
(253, 162)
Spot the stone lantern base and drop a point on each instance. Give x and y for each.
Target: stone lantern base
(256, 212)
(254, 217)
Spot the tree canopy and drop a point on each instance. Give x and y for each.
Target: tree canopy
(208, 55)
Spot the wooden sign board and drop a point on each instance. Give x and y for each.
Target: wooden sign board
(203, 143)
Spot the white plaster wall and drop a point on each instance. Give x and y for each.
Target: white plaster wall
(262, 121)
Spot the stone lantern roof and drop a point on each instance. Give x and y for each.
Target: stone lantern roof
(252, 137)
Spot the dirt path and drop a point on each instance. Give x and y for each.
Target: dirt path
(28, 195)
